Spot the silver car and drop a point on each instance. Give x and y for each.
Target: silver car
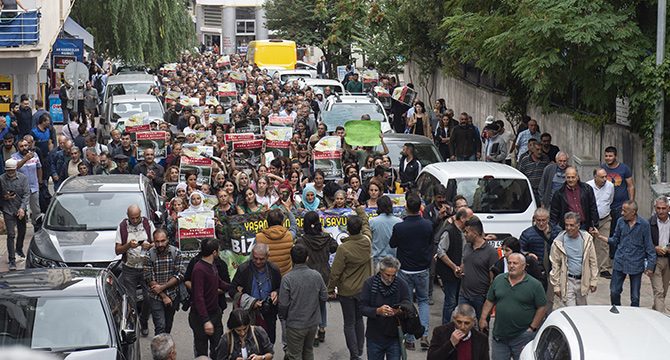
(79, 227)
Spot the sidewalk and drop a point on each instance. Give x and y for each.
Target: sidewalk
(20, 265)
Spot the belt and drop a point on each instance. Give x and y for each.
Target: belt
(577, 277)
(609, 216)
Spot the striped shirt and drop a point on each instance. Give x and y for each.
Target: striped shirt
(161, 267)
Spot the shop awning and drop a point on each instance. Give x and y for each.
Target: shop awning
(75, 30)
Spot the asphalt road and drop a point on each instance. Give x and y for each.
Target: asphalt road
(334, 348)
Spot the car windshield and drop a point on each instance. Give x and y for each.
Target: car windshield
(90, 211)
(493, 195)
(127, 109)
(335, 89)
(425, 153)
(355, 111)
(130, 89)
(48, 323)
(289, 77)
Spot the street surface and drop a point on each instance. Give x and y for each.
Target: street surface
(334, 348)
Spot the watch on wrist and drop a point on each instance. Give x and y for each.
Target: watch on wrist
(533, 328)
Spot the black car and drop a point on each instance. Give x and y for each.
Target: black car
(79, 313)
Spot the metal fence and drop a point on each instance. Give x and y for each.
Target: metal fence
(19, 27)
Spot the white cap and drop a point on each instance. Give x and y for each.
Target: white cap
(11, 164)
(489, 120)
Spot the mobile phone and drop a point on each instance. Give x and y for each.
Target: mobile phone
(140, 242)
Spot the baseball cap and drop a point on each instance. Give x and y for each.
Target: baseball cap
(11, 164)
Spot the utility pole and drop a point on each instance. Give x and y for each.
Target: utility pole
(660, 172)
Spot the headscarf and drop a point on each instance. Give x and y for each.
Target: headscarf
(200, 207)
(181, 186)
(314, 205)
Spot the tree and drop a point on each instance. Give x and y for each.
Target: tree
(147, 32)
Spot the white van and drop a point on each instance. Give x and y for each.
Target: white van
(500, 195)
(129, 84)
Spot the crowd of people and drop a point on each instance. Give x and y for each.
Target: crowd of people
(581, 230)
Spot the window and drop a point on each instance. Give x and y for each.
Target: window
(245, 13)
(246, 27)
(492, 195)
(90, 211)
(552, 346)
(212, 15)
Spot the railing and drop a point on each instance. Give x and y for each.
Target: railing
(19, 27)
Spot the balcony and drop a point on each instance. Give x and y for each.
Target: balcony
(18, 28)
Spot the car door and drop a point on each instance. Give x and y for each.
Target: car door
(114, 296)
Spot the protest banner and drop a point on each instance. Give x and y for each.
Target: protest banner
(169, 190)
(172, 96)
(170, 67)
(202, 167)
(370, 79)
(329, 143)
(330, 162)
(197, 151)
(405, 95)
(223, 61)
(227, 89)
(247, 154)
(211, 101)
(137, 119)
(185, 100)
(151, 139)
(362, 132)
(275, 120)
(198, 110)
(278, 140)
(194, 101)
(384, 96)
(210, 201)
(248, 125)
(238, 77)
(341, 72)
(193, 226)
(201, 135)
(218, 118)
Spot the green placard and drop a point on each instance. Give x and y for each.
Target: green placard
(362, 132)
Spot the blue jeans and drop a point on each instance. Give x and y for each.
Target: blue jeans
(477, 302)
(616, 287)
(418, 283)
(450, 289)
(389, 348)
(324, 314)
(503, 349)
(472, 157)
(162, 315)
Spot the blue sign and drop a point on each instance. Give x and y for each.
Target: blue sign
(69, 47)
(55, 109)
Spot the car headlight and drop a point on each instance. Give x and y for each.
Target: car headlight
(38, 261)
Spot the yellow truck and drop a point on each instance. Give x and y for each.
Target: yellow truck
(272, 54)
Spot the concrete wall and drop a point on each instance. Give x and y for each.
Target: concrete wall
(577, 138)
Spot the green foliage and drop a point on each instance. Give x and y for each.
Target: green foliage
(147, 32)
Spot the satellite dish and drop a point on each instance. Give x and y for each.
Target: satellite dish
(76, 73)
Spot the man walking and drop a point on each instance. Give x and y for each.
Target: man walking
(574, 196)
(351, 267)
(301, 292)
(257, 282)
(464, 142)
(524, 136)
(205, 316)
(574, 270)
(14, 205)
(520, 307)
(414, 239)
(382, 228)
(553, 177)
(478, 257)
(133, 239)
(459, 339)
(449, 260)
(533, 166)
(634, 253)
(163, 271)
(604, 193)
(409, 166)
(28, 163)
(660, 234)
(496, 148)
(323, 68)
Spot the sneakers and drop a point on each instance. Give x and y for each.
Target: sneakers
(321, 335)
(424, 343)
(606, 274)
(20, 256)
(410, 345)
(12, 266)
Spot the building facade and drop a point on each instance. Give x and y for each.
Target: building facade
(230, 24)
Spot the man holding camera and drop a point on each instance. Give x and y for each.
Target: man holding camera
(133, 239)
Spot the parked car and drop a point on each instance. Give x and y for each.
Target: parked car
(340, 109)
(129, 84)
(500, 195)
(289, 75)
(321, 84)
(600, 332)
(424, 148)
(121, 107)
(77, 313)
(79, 227)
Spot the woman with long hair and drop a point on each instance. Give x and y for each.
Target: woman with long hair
(320, 245)
(231, 189)
(419, 122)
(243, 339)
(375, 191)
(248, 204)
(264, 192)
(177, 205)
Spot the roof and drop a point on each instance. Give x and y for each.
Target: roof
(101, 183)
(51, 282)
(130, 78)
(472, 169)
(322, 82)
(406, 138)
(609, 335)
(144, 98)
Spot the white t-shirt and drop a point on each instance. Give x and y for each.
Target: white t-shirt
(135, 257)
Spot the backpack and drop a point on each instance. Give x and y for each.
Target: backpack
(123, 230)
(182, 293)
(97, 83)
